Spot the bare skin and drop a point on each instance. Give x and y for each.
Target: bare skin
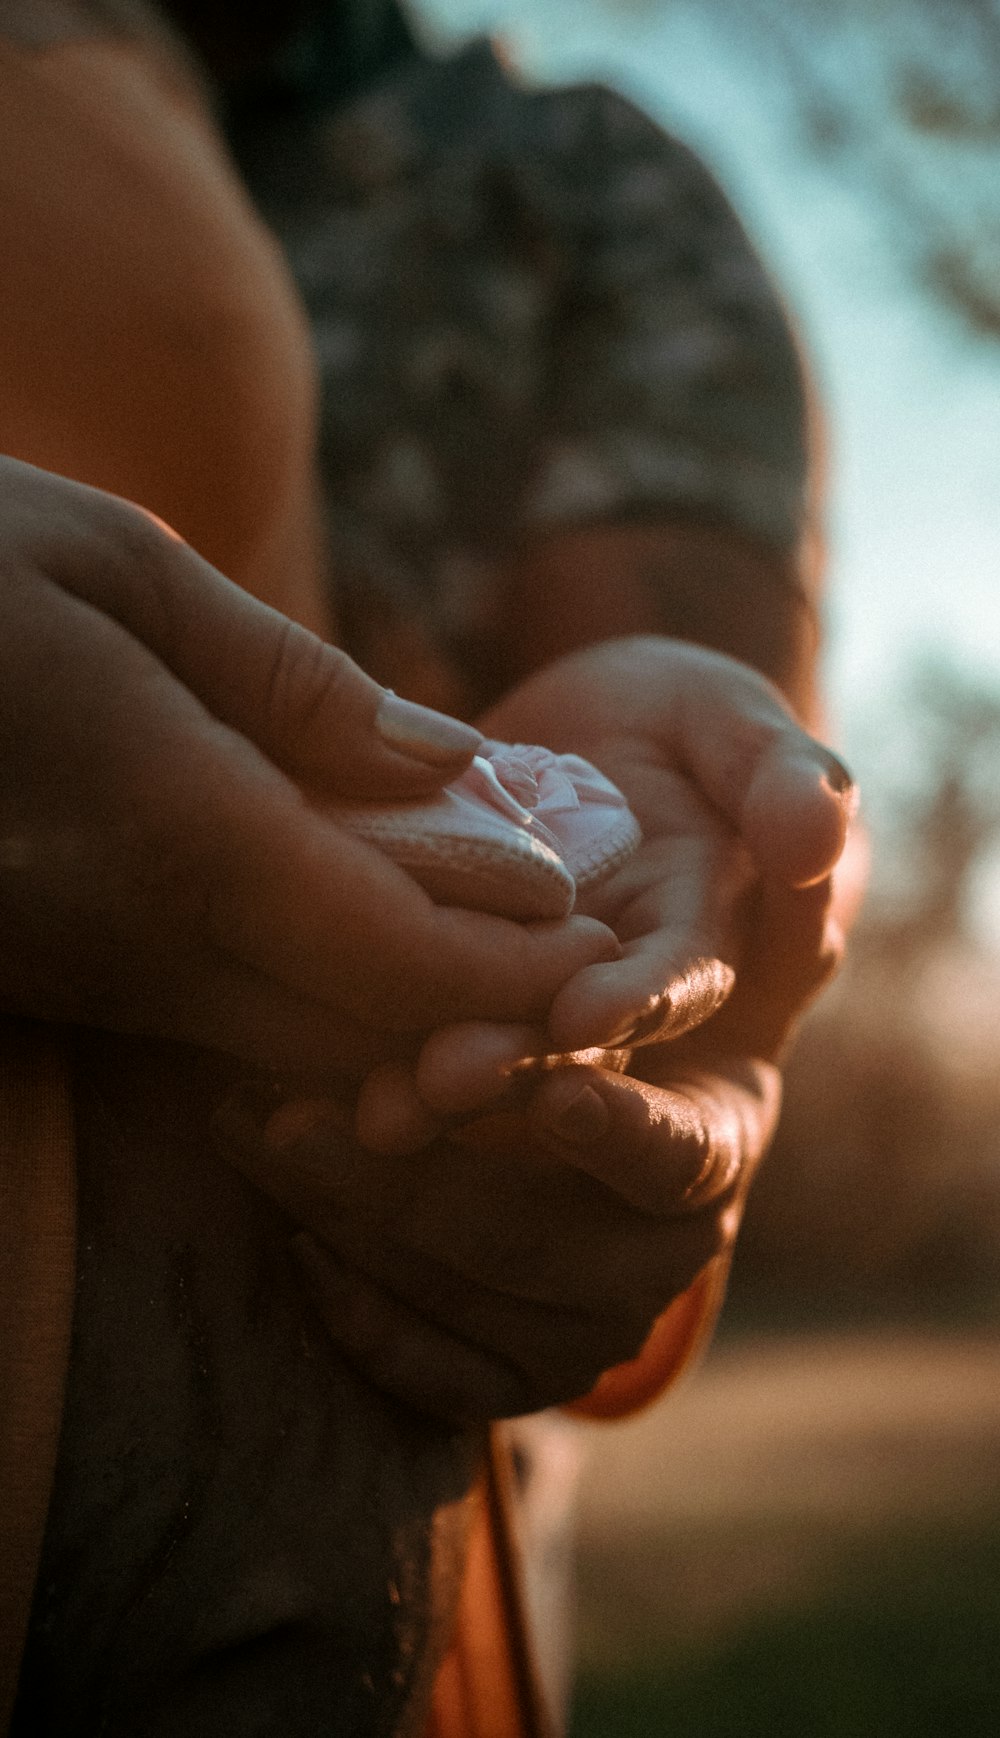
(588, 1197)
(436, 1277)
(169, 865)
(246, 1523)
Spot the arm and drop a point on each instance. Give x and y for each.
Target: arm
(168, 864)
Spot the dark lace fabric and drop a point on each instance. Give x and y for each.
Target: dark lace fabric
(532, 309)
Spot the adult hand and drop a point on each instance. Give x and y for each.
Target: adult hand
(168, 864)
(525, 1250)
(521, 1255)
(728, 790)
(744, 816)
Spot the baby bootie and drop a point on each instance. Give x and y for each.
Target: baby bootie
(520, 833)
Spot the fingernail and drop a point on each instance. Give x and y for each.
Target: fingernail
(583, 1119)
(838, 777)
(655, 1022)
(715, 1176)
(423, 734)
(651, 1025)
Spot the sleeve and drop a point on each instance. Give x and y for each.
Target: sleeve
(675, 384)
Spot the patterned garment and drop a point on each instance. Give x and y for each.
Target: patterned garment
(532, 309)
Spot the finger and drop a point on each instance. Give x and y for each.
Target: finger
(795, 946)
(302, 1153)
(333, 919)
(797, 813)
(674, 908)
(463, 1068)
(658, 990)
(186, 836)
(306, 705)
(566, 1250)
(789, 798)
(668, 1150)
(488, 1271)
(461, 1072)
(401, 1352)
(278, 887)
(284, 890)
(390, 1116)
(521, 1354)
(724, 725)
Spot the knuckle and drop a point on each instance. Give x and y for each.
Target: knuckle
(137, 570)
(179, 879)
(135, 542)
(308, 684)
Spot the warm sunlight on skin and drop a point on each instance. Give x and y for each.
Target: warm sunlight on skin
(161, 524)
(616, 1060)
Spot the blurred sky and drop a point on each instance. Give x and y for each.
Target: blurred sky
(912, 401)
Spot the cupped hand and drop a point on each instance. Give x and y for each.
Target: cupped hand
(518, 1257)
(169, 856)
(732, 796)
(476, 1264)
(724, 911)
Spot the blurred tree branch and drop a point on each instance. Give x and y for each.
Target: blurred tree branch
(904, 97)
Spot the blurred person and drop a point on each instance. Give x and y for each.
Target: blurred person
(260, 1516)
(560, 401)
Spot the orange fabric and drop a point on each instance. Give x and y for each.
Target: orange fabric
(151, 342)
(37, 1227)
(486, 1686)
(676, 1339)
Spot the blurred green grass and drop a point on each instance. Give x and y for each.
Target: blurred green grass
(907, 1641)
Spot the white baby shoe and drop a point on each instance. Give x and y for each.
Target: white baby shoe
(520, 833)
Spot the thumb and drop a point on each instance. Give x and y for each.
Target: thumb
(797, 811)
(790, 799)
(714, 720)
(305, 704)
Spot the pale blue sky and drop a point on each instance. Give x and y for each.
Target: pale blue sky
(913, 405)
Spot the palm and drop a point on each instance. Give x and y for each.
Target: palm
(742, 821)
(674, 906)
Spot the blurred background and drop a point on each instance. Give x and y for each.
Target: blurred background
(806, 1539)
